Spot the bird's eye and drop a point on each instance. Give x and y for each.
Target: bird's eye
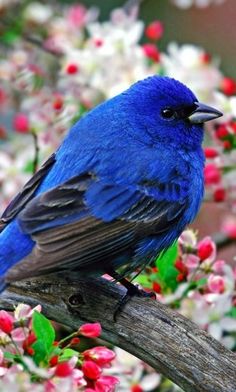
(168, 113)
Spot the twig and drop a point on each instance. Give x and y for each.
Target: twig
(35, 41)
(36, 152)
(222, 240)
(170, 343)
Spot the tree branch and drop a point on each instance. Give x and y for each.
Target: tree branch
(222, 240)
(167, 341)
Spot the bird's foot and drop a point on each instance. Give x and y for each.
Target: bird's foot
(135, 291)
(132, 290)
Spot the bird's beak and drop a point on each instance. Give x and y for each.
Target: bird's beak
(203, 113)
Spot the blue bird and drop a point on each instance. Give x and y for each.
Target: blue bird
(120, 189)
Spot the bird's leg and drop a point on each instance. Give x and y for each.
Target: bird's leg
(132, 290)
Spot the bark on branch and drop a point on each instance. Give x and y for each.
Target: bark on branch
(167, 341)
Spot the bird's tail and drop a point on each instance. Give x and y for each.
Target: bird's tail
(14, 246)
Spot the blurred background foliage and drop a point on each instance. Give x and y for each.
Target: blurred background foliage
(212, 27)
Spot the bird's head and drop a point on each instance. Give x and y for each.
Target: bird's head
(166, 111)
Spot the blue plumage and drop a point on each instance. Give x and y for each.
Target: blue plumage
(121, 188)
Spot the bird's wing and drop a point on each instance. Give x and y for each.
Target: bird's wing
(86, 220)
(19, 202)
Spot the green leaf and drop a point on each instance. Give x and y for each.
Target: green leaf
(67, 354)
(143, 279)
(28, 167)
(232, 312)
(45, 334)
(10, 356)
(9, 37)
(166, 270)
(201, 282)
(40, 351)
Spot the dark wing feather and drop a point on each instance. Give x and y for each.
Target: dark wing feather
(19, 202)
(68, 235)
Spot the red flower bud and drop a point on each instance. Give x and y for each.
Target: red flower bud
(21, 123)
(3, 133)
(154, 30)
(156, 287)
(136, 388)
(181, 267)
(228, 86)
(212, 174)
(30, 351)
(205, 58)
(151, 52)
(222, 132)
(233, 126)
(91, 370)
(74, 341)
(6, 322)
(54, 360)
(98, 42)
(210, 152)
(58, 103)
(180, 277)
(3, 97)
(227, 145)
(205, 248)
(31, 338)
(219, 195)
(92, 330)
(63, 369)
(72, 69)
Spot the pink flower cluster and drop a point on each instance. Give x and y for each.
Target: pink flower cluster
(204, 289)
(63, 368)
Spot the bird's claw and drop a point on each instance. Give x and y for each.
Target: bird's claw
(132, 291)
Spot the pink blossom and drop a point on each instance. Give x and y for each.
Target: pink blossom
(229, 227)
(101, 355)
(216, 284)
(3, 371)
(188, 238)
(212, 174)
(76, 16)
(24, 311)
(18, 334)
(106, 384)
(1, 356)
(191, 261)
(218, 266)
